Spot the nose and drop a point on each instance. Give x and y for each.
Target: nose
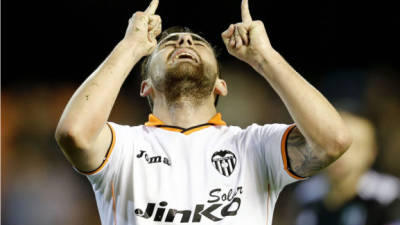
(185, 40)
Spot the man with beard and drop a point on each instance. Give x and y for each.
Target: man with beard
(187, 76)
(185, 165)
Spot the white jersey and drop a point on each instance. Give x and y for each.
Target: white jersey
(209, 174)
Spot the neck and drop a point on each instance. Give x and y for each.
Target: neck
(185, 112)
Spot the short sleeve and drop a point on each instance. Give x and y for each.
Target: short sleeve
(115, 154)
(270, 142)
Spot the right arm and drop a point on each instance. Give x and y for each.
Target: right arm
(320, 135)
(82, 132)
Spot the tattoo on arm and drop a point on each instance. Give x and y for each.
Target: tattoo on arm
(304, 160)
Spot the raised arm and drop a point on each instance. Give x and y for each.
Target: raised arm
(82, 132)
(320, 136)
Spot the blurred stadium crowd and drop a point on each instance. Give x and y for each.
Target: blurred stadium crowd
(40, 187)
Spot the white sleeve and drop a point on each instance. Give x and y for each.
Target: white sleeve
(105, 173)
(270, 141)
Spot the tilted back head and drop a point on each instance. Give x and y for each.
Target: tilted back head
(144, 71)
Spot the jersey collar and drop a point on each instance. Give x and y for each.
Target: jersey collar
(214, 121)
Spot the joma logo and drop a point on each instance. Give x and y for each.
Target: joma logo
(153, 159)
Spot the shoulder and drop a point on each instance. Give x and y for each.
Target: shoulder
(275, 131)
(120, 131)
(125, 127)
(257, 135)
(266, 128)
(120, 126)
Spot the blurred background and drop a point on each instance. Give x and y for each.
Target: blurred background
(347, 50)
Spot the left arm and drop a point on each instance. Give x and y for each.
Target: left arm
(321, 135)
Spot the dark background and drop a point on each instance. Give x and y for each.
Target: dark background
(347, 50)
(66, 40)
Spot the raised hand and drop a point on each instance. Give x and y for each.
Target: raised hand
(248, 39)
(143, 29)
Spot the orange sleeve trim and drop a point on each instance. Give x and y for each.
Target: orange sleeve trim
(284, 153)
(110, 149)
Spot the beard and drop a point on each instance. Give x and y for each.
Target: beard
(187, 81)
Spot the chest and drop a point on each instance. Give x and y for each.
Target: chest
(199, 177)
(183, 161)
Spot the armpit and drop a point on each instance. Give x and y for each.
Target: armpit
(303, 160)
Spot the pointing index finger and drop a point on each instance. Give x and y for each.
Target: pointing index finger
(152, 7)
(246, 17)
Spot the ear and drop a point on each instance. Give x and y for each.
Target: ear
(146, 88)
(220, 87)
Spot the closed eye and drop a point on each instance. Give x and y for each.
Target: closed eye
(200, 44)
(168, 44)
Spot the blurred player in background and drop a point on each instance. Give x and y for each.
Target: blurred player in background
(185, 165)
(349, 192)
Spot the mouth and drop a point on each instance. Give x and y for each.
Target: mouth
(184, 55)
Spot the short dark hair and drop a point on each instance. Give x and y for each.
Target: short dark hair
(175, 29)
